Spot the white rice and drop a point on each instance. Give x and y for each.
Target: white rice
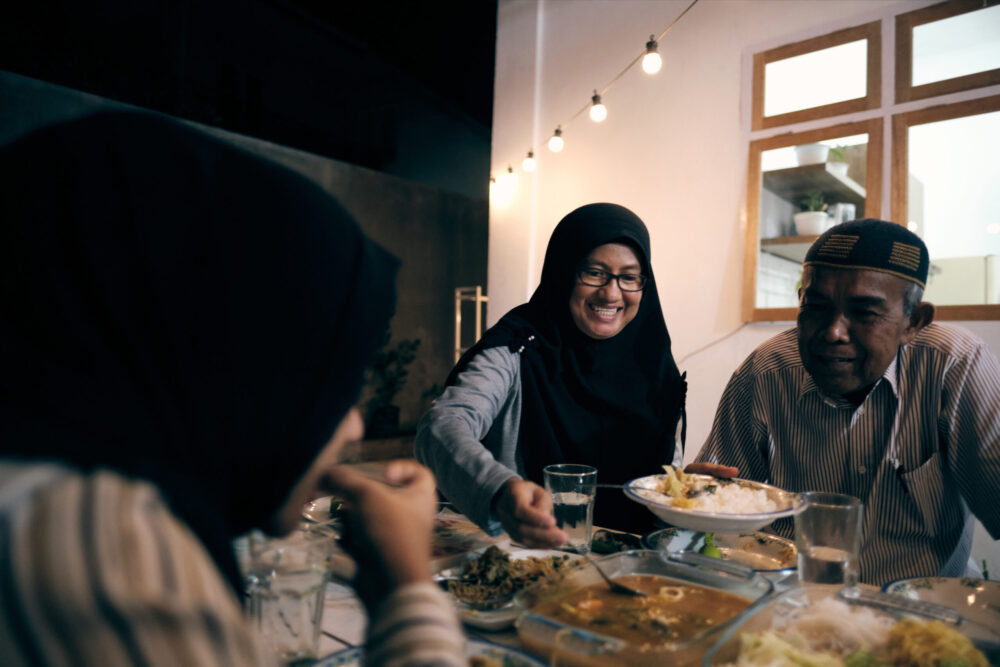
(735, 499)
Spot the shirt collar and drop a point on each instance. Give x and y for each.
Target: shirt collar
(890, 376)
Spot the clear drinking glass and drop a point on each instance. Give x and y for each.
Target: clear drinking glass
(287, 586)
(828, 538)
(573, 487)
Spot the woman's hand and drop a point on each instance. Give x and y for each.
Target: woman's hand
(389, 525)
(525, 510)
(714, 469)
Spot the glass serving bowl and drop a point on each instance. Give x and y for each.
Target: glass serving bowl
(877, 608)
(564, 644)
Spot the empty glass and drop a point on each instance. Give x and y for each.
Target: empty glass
(287, 585)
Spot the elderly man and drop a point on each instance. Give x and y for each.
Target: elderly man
(867, 397)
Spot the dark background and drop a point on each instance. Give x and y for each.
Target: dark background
(398, 94)
(331, 77)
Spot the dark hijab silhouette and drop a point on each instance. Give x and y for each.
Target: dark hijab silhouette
(180, 311)
(614, 403)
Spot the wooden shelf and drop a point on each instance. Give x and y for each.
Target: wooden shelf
(793, 183)
(788, 247)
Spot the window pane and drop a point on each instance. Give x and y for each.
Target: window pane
(828, 177)
(956, 46)
(954, 205)
(817, 78)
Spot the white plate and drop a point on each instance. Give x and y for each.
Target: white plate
(644, 491)
(763, 552)
(508, 657)
(502, 617)
(975, 599)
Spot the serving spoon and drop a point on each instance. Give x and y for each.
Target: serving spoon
(614, 585)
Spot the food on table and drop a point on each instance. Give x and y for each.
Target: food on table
(672, 612)
(607, 542)
(495, 575)
(709, 494)
(831, 632)
(709, 549)
(485, 661)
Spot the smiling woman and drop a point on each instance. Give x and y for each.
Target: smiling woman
(582, 373)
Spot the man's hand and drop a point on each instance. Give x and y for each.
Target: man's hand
(525, 510)
(389, 525)
(714, 469)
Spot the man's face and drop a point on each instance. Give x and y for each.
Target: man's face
(850, 326)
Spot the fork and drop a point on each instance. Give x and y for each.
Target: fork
(614, 585)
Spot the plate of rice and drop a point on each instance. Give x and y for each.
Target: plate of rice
(711, 504)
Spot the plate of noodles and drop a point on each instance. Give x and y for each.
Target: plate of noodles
(822, 625)
(711, 504)
(485, 583)
(975, 599)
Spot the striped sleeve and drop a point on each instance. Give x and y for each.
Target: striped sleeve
(737, 437)
(417, 625)
(970, 417)
(100, 572)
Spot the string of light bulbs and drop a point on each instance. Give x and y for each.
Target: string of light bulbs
(651, 64)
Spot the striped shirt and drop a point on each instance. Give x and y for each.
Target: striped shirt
(96, 570)
(922, 451)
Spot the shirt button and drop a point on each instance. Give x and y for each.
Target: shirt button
(862, 469)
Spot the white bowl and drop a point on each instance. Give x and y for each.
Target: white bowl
(645, 490)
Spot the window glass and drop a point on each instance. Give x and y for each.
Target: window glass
(805, 189)
(954, 205)
(956, 46)
(816, 78)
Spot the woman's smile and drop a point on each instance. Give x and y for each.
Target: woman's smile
(603, 311)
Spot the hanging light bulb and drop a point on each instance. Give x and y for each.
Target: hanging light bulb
(651, 62)
(510, 177)
(598, 111)
(528, 164)
(556, 141)
(502, 188)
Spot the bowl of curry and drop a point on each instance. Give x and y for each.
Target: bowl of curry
(578, 620)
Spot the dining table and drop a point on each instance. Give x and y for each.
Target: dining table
(345, 619)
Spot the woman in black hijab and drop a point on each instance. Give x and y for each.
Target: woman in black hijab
(582, 373)
(184, 329)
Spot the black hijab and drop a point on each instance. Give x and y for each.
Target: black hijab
(614, 403)
(180, 311)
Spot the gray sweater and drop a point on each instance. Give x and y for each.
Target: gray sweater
(469, 436)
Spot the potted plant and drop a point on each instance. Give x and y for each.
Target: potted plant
(811, 153)
(813, 218)
(388, 376)
(837, 162)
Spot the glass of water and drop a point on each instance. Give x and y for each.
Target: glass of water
(573, 487)
(287, 586)
(828, 538)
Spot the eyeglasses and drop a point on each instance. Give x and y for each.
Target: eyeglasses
(627, 282)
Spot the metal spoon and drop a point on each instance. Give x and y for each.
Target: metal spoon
(614, 585)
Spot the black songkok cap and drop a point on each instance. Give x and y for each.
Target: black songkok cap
(875, 245)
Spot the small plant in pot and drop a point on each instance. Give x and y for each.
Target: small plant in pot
(837, 161)
(388, 375)
(813, 218)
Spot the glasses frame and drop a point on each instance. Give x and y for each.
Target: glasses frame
(616, 276)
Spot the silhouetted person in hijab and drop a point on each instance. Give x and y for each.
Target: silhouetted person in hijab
(183, 333)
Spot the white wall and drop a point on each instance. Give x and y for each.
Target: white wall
(673, 149)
